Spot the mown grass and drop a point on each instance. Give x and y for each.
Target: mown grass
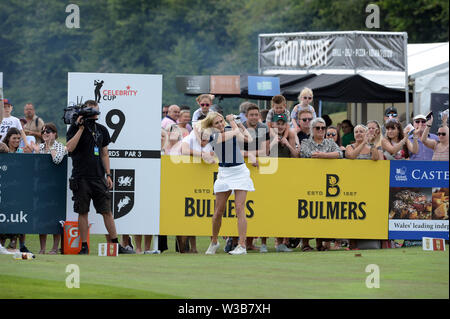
(404, 273)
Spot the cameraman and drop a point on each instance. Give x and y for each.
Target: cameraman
(87, 144)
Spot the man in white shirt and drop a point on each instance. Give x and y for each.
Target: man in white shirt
(11, 121)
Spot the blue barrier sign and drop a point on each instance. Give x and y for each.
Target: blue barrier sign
(32, 194)
(263, 85)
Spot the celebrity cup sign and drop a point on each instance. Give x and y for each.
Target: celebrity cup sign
(130, 108)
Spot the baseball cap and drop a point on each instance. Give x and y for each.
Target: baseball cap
(390, 109)
(7, 101)
(420, 116)
(277, 117)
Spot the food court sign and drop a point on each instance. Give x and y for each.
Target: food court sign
(332, 50)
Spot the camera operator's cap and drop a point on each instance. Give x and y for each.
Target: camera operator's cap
(420, 116)
(278, 117)
(389, 110)
(6, 101)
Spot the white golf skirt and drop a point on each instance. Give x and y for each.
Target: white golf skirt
(234, 177)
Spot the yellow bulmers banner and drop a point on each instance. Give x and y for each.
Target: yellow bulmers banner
(308, 198)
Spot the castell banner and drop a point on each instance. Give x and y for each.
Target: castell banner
(419, 200)
(130, 108)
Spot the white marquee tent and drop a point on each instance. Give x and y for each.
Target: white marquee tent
(428, 68)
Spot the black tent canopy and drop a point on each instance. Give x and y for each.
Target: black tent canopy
(350, 88)
(347, 88)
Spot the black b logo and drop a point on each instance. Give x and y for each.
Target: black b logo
(333, 189)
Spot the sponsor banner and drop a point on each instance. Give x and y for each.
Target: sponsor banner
(418, 200)
(130, 108)
(225, 84)
(300, 198)
(429, 243)
(419, 174)
(32, 194)
(108, 249)
(334, 50)
(415, 229)
(195, 84)
(263, 85)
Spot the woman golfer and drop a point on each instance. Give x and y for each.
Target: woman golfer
(233, 176)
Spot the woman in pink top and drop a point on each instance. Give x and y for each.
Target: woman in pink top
(440, 147)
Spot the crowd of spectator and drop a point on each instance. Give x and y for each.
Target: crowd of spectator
(276, 132)
(29, 134)
(300, 133)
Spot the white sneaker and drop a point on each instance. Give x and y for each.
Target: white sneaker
(212, 248)
(4, 251)
(263, 249)
(239, 250)
(152, 252)
(283, 248)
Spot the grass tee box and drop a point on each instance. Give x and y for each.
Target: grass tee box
(405, 273)
(293, 198)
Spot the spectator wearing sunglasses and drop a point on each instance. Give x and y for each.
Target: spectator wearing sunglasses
(333, 134)
(305, 99)
(57, 150)
(395, 143)
(304, 120)
(204, 102)
(50, 145)
(439, 147)
(164, 111)
(389, 113)
(424, 153)
(317, 146)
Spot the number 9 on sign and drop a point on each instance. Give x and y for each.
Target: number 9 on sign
(117, 127)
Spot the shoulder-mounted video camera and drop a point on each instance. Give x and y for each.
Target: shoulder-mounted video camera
(72, 112)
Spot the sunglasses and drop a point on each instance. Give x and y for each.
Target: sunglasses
(441, 134)
(320, 128)
(307, 98)
(420, 121)
(392, 114)
(392, 120)
(205, 104)
(331, 134)
(48, 131)
(307, 119)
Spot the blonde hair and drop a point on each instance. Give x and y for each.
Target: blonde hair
(204, 96)
(184, 111)
(361, 126)
(207, 122)
(380, 134)
(304, 92)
